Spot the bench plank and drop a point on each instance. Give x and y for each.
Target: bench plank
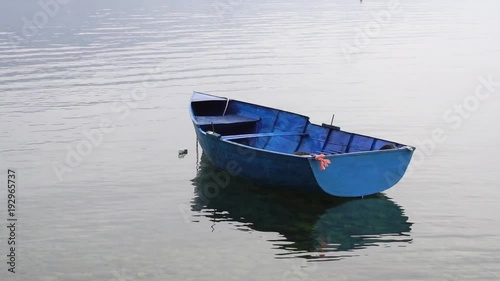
(226, 119)
(246, 136)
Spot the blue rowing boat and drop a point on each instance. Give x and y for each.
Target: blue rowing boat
(283, 149)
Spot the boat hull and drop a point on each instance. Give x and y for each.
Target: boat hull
(361, 174)
(262, 167)
(349, 175)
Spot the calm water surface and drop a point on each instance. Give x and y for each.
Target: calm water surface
(112, 80)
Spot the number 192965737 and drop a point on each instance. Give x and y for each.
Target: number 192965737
(11, 219)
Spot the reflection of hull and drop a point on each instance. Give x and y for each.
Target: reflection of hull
(312, 226)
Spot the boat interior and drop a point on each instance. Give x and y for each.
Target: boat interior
(276, 130)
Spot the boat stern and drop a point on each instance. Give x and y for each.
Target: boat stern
(363, 173)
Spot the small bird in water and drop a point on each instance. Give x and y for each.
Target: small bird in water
(182, 153)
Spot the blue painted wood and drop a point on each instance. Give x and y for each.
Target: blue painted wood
(260, 135)
(261, 144)
(359, 174)
(276, 170)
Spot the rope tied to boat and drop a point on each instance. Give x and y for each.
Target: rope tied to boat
(323, 163)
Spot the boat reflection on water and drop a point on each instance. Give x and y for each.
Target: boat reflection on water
(313, 226)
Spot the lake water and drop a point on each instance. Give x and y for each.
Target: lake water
(94, 108)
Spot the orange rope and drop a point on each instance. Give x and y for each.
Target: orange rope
(323, 163)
